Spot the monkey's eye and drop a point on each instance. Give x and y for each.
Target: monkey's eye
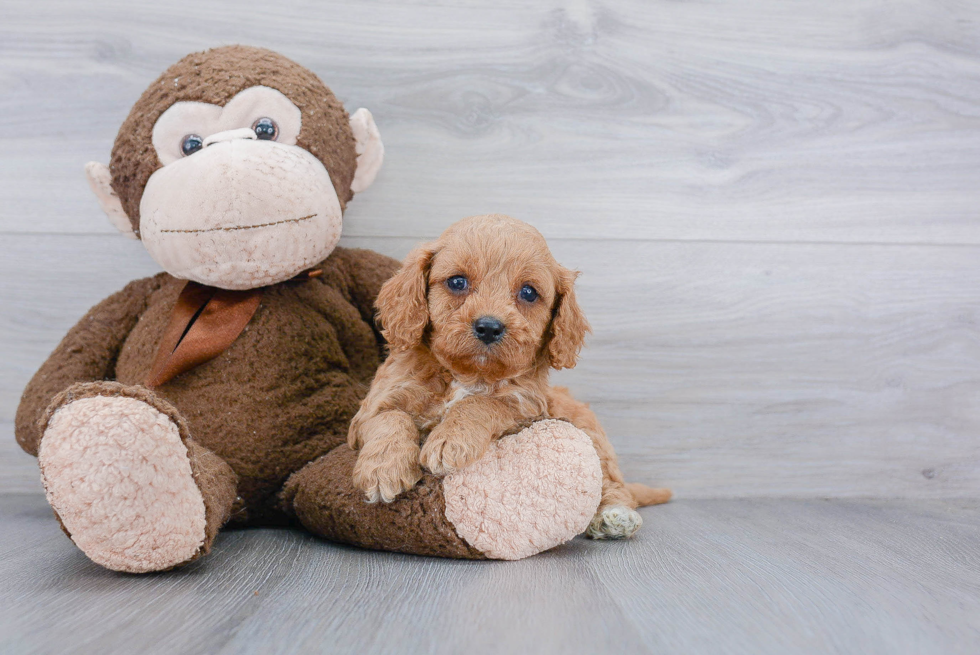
(191, 144)
(528, 293)
(458, 284)
(265, 129)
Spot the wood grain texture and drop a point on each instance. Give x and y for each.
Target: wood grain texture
(844, 120)
(774, 207)
(722, 370)
(744, 576)
(774, 204)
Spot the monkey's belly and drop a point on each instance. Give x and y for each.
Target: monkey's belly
(265, 428)
(279, 397)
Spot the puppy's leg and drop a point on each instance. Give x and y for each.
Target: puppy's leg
(465, 433)
(454, 444)
(388, 461)
(616, 517)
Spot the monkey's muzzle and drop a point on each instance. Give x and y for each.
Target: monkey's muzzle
(240, 214)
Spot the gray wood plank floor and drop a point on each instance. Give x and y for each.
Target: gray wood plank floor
(774, 207)
(703, 576)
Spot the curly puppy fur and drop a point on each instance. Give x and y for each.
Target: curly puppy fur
(443, 395)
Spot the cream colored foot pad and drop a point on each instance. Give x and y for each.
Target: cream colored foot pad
(530, 492)
(117, 473)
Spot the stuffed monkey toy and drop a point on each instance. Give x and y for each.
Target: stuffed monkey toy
(220, 391)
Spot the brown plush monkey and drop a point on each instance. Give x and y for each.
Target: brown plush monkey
(189, 399)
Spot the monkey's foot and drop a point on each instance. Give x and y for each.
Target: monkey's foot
(614, 522)
(117, 473)
(530, 492)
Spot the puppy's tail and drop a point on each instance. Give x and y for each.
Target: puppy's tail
(645, 495)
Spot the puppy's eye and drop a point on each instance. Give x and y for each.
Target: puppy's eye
(458, 284)
(191, 144)
(265, 129)
(528, 293)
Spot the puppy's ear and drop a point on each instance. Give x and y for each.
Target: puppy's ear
(403, 304)
(568, 323)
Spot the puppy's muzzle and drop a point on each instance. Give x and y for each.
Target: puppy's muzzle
(488, 329)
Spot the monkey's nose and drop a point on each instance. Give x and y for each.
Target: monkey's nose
(229, 135)
(488, 329)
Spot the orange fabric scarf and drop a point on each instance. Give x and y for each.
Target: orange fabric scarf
(204, 323)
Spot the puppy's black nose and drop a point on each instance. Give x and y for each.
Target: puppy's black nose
(488, 329)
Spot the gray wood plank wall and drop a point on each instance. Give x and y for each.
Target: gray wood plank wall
(774, 205)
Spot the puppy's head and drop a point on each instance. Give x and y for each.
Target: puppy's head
(488, 299)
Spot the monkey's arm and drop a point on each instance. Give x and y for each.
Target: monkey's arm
(361, 273)
(87, 354)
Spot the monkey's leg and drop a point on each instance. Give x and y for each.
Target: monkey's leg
(530, 492)
(127, 483)
(616, 517)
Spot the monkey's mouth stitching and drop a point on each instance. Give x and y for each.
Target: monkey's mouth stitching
(243, 227)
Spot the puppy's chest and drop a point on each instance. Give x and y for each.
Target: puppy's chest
(441, 403)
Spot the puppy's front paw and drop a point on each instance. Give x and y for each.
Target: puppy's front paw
(445, 451)
(386, 468)
(615, 522)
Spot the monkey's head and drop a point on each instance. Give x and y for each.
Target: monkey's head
(235, 166)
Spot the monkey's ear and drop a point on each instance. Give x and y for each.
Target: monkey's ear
(370, 150)
(100, 179)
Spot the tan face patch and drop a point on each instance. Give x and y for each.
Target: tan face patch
(215, 77)
(203, 120)
(241, 214)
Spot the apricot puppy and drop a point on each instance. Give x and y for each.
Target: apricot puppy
(474, 323)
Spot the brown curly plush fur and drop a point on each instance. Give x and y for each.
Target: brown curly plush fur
(263, 423)
(279, 397)
(275, 405)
